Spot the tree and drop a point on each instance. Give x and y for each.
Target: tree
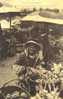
(34, 9)
(40, 9)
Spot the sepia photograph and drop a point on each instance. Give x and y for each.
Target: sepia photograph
(31, 49)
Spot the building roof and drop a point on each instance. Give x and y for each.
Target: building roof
(37, 18)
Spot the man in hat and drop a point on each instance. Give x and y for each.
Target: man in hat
(31, 59)
(32, 56)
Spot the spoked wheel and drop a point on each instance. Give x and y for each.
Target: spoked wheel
(14, 92)
(50, 90)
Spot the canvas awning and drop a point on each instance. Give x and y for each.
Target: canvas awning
(38, 18)
(5, 9)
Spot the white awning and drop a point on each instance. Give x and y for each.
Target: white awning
(38, 18)
(5, 9)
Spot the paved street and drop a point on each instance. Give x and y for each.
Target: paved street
(6, 71)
